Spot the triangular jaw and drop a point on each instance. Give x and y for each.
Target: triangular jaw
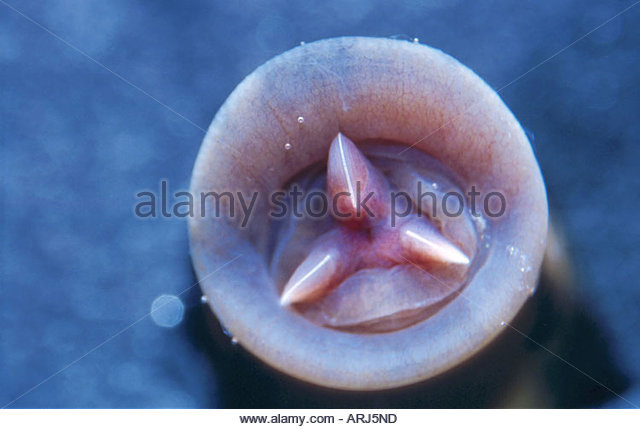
(366, 244)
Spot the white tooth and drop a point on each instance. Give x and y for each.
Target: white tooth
(310, 279)
(423, 241)
(346, 169)
(349, 172)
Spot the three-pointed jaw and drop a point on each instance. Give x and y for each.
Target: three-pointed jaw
(361, 240)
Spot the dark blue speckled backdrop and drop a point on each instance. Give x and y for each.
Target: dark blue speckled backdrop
(78, 142)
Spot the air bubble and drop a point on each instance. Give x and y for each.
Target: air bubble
(523, 265)
(300, 119)
(434, 185)
(204, 299)
(531, 290)
(302, 43)
(481, 223)
(503, 323)
(167, 311)
(234, 340)
(415, 40)
(287, 146)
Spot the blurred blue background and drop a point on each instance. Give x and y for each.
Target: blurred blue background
(78, 143)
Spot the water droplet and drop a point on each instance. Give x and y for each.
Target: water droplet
(481, 223)
(406, 37)
(522, 264)
(167, 311)
(228, 333)
(530, 290)
(300, 119)
(204, 299)
(287, 146)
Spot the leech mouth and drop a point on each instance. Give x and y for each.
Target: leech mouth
(368, 270)
(424, 122)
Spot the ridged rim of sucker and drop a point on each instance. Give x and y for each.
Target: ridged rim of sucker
(337, 359)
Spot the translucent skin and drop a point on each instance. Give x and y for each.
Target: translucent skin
(368, 89)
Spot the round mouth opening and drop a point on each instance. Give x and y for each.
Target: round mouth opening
(418, 244)
(270, 286)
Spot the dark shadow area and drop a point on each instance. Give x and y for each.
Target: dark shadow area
(512, 371)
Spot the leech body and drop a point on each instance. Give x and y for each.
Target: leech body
(368, 90)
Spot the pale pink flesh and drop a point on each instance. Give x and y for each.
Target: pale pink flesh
(361, 260)
(379, 300)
